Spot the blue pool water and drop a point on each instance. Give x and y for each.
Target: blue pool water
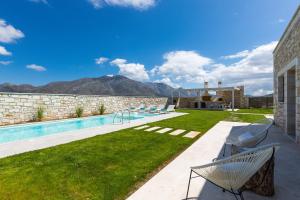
(21, 132)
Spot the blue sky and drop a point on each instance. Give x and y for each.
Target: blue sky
(181, 43)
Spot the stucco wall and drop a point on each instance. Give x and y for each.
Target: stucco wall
(18, 108)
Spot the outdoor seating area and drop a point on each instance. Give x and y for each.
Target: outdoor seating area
(231, 173)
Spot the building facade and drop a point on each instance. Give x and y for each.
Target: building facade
(287, 79)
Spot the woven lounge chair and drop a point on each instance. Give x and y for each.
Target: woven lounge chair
(232, 173)
(249, 136)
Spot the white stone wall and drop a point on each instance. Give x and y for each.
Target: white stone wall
(19, 108)
(286, 58)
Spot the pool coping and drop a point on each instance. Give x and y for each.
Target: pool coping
(22, 146)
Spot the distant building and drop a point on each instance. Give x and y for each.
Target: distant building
(223, 98)
(287, 79)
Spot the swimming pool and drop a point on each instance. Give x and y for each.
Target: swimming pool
(34, 130)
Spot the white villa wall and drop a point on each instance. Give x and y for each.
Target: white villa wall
(20, 108)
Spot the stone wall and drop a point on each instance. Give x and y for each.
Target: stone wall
(239, 99)
(286, 59)
(260, 102)
(19, 108)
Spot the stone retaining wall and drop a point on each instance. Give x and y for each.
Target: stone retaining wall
(260, 102)
(19, 107)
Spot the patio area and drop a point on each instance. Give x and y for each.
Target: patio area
(171, 182)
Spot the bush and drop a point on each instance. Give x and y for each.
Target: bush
(101, 109)
(79, 111)
(40, 114)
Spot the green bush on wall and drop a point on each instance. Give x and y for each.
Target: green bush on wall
(40, 114)
(79, 111)
(101, 109)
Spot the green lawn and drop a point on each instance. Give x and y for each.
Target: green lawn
(103, 167)
(197, 120)
(256, 110)
(245, 118)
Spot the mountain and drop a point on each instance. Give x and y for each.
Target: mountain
(105, 85)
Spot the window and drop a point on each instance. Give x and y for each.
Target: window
(280, 88)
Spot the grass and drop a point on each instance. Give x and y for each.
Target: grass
(256, 110)
(245, 118)
(103, 167)
(196, 120)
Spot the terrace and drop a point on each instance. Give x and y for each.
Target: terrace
(171, 182)
(98, 167)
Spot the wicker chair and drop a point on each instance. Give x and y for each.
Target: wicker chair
(249, 136)
(233, 172)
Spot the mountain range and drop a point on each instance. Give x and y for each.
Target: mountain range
(105, 85)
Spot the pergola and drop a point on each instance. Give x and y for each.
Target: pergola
(199, 91)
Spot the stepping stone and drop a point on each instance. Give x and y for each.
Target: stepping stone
(177, 132)
(192, 134)
(141, 127)
(164, 130)
(152, 128)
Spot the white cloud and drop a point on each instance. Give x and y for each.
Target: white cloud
(281, 20)
(35, 67)
(8, 33)
(134, 71)
(254, 69)
(101, 60)
(167, 81)
(96, 3)
(241, 54)
(4, 52)
(5, 62)
(39, 1)
(261, 92)
(137, 4)
(188, 66)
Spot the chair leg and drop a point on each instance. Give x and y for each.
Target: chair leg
(224, 150)
(242, 197)
(187, 192)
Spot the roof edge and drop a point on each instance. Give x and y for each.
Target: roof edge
(288, 28)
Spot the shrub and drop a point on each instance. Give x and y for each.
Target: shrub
(101, 109)
(79, 111)
(40, 114)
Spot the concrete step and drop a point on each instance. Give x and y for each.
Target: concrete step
(177, 132)
(152, 128)
(164, 130)
(141, 127)
(192, 134)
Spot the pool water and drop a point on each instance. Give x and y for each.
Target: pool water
(21, 132)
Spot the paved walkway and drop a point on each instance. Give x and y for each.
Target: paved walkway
(171, 182)
(16, 147)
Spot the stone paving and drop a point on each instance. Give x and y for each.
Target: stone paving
(164, 130)
(192, 134)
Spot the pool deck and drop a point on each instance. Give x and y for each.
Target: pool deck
(21, 146)
(171, 182)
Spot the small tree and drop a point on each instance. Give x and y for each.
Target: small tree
(40, 114)
(79, 111)
(101, 109)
